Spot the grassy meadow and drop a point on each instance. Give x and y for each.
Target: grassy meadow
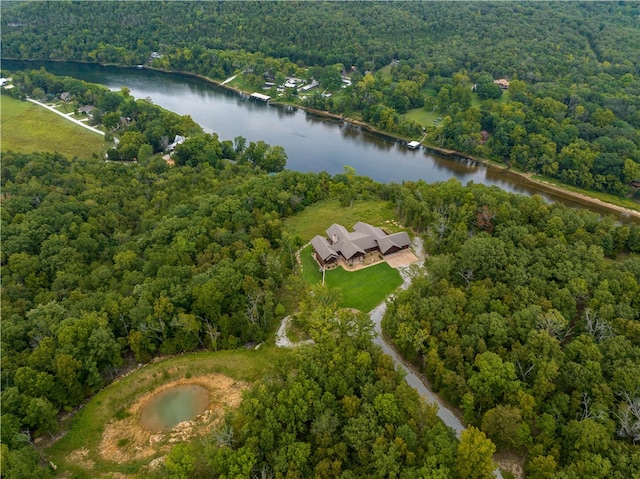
(26, 127)
(111, 402)
(315, 219)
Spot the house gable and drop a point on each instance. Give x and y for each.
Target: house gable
(365, 238)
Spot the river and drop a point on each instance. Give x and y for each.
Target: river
(313, 143)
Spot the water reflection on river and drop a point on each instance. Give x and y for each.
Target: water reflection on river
(312, 143)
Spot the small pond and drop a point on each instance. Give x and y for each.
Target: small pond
(173, 406)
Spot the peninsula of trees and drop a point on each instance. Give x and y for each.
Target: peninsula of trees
(527, 316)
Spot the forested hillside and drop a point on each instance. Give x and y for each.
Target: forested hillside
(525, 323)
(104, 260)
(340, 409)
(572, 111)
(535, 41)
(526, 315)
(527, 318)
(522, 319)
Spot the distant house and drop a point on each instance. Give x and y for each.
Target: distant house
(353, 246)
(310, 86)
(65, 96)
(178, 140)
(87, 109)
(502, 83)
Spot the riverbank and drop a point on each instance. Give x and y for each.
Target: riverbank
(546, 186)
(308, 152)
(633, 214)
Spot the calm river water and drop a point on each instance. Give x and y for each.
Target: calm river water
(312, 143)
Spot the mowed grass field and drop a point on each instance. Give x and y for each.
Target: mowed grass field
(26, 127)
(315, 219)
(363, 289)
(427, 118)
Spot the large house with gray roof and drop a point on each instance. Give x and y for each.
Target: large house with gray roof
(353, 246)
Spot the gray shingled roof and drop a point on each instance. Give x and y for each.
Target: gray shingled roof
(401, 239)
(363, 240)
(336, 232)
(348, 249)
(322, 247)
(364, 237)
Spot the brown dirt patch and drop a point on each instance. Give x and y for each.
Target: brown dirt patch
(80, 457)
(127, 440)
(401, 258)
(511, 462)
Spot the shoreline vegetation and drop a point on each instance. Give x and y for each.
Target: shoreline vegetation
(527, 177)
(542, 185)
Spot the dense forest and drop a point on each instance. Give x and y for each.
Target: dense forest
(526, 315)
(573, 108)
(527, 318)
(340, 409)
(527, 322)
(104, 261)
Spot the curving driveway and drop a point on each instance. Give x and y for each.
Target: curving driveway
(411, 377)
(77, 122)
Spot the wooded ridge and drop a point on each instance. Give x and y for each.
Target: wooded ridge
(573, 106)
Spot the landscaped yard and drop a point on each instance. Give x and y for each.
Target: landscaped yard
(428, 117)
(27, 128)
(363, 289)
(422, 116)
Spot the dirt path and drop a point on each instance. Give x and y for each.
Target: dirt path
(230, 79)
(283, 341)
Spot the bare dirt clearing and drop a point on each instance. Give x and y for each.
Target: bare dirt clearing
(125, 440)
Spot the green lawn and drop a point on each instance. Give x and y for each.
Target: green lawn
(423, 116)
(241, 83)
(26, 127)
(427, 118)
(363, 289)
(315, 219)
